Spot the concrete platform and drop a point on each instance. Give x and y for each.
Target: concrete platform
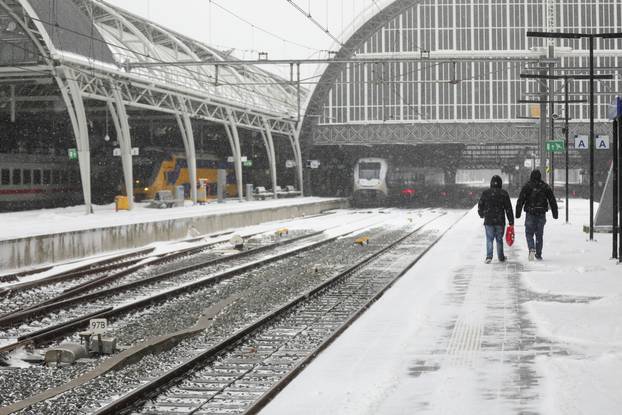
(457, 336)
(40, 237)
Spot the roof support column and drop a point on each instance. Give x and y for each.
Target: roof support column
(234, 140)
(269, 143)
(185, 126)
(122, 127)
(294, 138)
(75, 106)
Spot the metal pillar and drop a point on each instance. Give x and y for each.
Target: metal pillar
(592, 138)
(614, 212)
(75, 107)
(618, 214)
(269, 143)
(542, 137)
(566, 136)
(122, 127)
(234, 140)
(295, 141)
(187, 135)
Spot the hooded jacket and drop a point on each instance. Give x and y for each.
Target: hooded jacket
(494, 204)
(536, 197)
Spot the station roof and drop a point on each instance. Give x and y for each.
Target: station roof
(93, 32)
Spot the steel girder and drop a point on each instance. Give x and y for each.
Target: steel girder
(436, 133)
(95, 85)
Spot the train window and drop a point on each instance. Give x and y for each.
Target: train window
(6, 177)
(17, 176)
(27, 179)
(369, 171)
(64, 177)
(47, 176)
(56, 177)
(36, 177)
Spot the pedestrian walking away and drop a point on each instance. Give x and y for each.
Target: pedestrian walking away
(535, 199)
(494, 205)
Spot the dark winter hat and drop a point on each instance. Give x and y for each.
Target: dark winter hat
(536, 176)
(496, 181)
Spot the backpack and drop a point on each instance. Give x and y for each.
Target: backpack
(537, 203)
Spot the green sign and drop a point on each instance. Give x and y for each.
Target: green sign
(555, 146)
(73, 154)
(248, 163)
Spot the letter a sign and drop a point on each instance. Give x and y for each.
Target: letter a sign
(602, 142)
(581, 142)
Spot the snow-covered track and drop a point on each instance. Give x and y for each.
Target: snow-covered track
(139, 293)
(243, 372)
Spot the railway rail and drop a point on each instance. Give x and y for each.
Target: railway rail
(121, 299)
(241, 373)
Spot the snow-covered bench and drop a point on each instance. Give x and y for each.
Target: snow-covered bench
(261, 193)
(164, 199)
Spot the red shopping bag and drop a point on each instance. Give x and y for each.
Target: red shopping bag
(509, 235)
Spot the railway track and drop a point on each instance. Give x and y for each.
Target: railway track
(93, 272)
(243, 372)
(18, 297)
(76, 310)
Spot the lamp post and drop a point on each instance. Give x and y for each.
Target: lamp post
(591, 37)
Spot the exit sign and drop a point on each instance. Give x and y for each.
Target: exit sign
(73, 154)
(555, 146)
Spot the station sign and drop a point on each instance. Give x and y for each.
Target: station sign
(581, 142)
(135, 151)
(614, 110)
(231, 159)
(290, 164)
(602, 142)
(72, 153)
(555, 146)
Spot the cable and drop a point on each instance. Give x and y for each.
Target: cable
(254, 26)
(315, 22)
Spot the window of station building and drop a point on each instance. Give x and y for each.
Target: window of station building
(17, 176)
(56, 177)
(27, 178)
(36, 177)
(47, 176)
(6, 177)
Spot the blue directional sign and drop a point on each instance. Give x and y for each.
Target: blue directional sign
(615, 110)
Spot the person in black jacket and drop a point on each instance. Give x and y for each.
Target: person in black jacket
(494, 205)
(536, 197)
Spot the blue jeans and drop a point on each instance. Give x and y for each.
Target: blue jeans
(494, 232)
(534, 225)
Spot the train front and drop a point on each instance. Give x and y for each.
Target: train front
(370, 184)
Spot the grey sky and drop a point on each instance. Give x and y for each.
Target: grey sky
(204, 20)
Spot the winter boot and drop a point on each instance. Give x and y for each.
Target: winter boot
(488, 260)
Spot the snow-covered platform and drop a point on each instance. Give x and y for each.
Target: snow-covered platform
(457, 336)
(43, 236)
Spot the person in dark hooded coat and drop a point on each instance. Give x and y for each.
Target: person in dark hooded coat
(494, 205)
(535, 198)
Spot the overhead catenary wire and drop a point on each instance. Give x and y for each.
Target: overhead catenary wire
(308, 15)
(261, 29)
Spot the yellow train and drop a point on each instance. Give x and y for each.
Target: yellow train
(158, 171)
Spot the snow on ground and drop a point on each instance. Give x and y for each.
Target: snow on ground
(457, 336)
(50, 221)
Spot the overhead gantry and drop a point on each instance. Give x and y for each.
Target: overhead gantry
(85, 46)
